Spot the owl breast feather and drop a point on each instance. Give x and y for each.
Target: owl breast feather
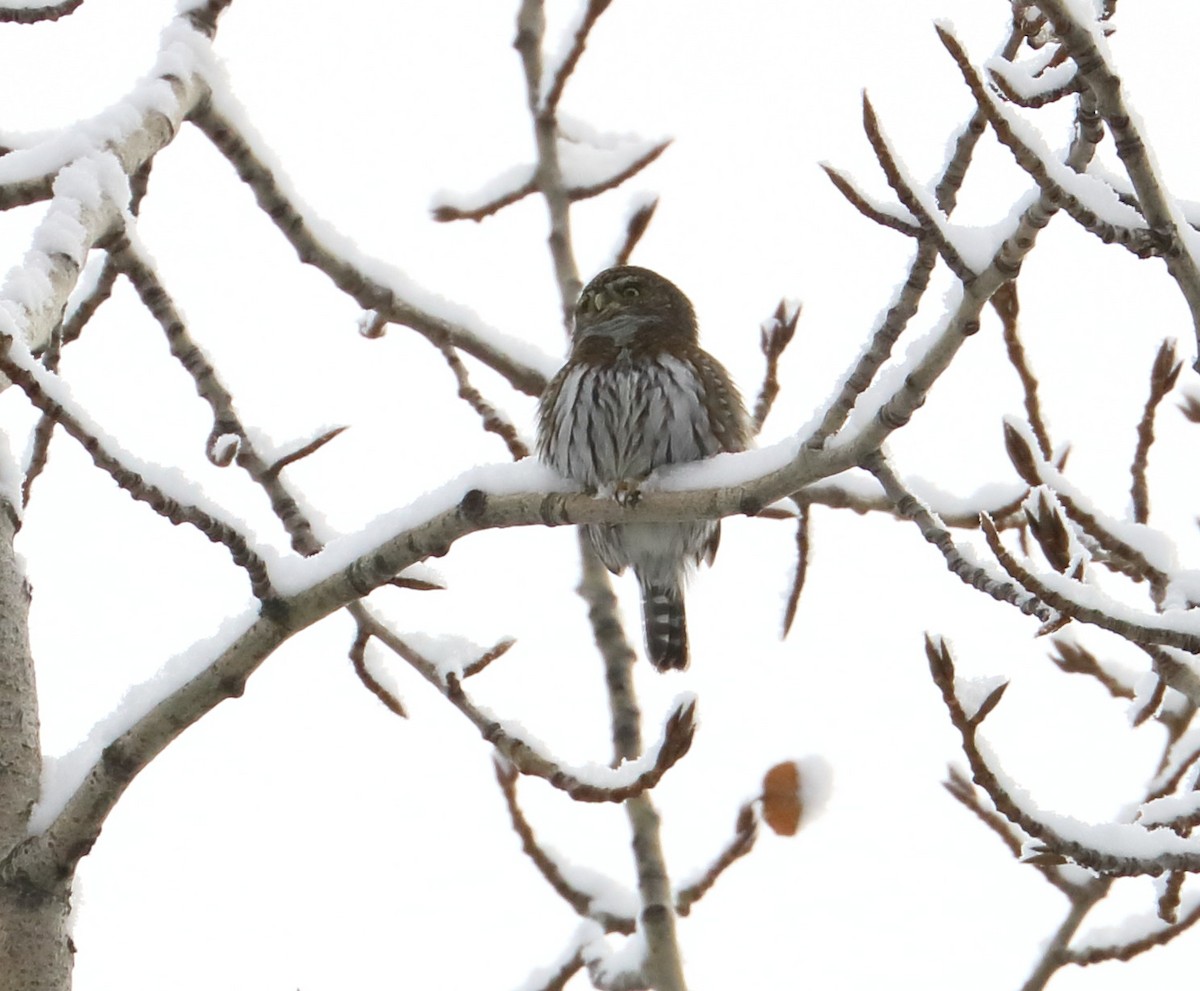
(621, 419)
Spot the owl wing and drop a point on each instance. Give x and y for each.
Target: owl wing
(727, 415)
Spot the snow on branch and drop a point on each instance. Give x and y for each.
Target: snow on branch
(585, 784)
(883, 214)
(1086, 199)
(565, 64)
(1046, 79)
(959, 559)
(88, 197)
(228, 439)
(1013, 838)
(133, 130)
(933, 223)
(592, 164)
(1134, 937)
(1088, 604)
(911, 289)
(371, 283)
(1085, 43)
(1116, 849)
(590, 896)
(52, 400)
(1132, 549)
(32, 12)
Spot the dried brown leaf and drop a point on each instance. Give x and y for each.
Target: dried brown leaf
(782, 807)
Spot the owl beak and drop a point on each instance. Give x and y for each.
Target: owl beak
(600, 299)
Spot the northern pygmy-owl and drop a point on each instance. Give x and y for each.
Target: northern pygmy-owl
(638, 392)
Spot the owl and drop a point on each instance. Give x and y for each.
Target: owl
(638, 392)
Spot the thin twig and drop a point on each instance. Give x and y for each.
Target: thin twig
(868, 209)
(493, 420)
(590, 15)
(1136, 947)
(531, 28)
(793, 599)
(447, 212)
(635, 227)
(741, 843)
(582, 902)
(525, 757)
(909, 507)
(912, 288)
(358, 660)
(314, 445)
(1163, 376)
(1074, 658)
(966, 795)
(1007, 306)
(1140, 241)
(128, 257)
(218, 531)
(1156, 205)
(368, 293)
(930, 225)
(775, 335)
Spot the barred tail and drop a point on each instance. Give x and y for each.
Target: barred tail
(666, 626)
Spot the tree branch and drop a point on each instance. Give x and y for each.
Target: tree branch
(1161, 213)
(371, 294)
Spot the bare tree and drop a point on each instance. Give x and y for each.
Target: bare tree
(95, 178)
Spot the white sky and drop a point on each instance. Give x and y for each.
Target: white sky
(304, 837)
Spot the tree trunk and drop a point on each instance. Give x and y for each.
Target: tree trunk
(35, 949)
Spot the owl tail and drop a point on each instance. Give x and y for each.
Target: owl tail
(666, 626)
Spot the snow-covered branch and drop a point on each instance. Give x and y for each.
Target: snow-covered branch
(1085, 43)
(373, 285)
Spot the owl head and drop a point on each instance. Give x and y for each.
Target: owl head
(627, 302)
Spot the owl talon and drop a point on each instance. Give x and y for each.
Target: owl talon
(628, 492)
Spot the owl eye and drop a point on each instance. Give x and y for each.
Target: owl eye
(630, 292)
